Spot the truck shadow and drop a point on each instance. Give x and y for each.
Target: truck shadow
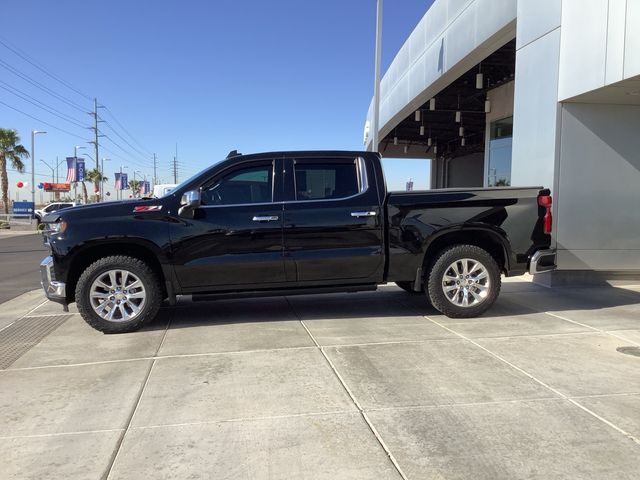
(517, 299)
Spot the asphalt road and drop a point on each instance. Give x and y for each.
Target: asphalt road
(20, 257)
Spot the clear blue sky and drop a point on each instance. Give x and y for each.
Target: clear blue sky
(211, 76)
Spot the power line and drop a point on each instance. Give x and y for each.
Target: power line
(124, 139)
(125, 150)
(42, 121)
(126, 131)
(146, 157)
(32, 62)
(28, 172)
(40, 105)
(129, 160)
(42, 87)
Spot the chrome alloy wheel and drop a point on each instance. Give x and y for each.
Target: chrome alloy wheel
(117, 295)
(466, 283)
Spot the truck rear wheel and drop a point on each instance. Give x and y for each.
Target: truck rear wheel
(118, 294)
(464, 281)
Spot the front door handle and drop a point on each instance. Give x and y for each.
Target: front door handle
(266, 218)
(363, 214)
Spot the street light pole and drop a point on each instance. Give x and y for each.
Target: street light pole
(134, 180)
(376, 85)
(53, 174)
(102, 175)
(57, 165)
(121, 185)
(75, 170)
(33, 165)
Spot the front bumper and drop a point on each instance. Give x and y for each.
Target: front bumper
(542, 261)
(54, 290)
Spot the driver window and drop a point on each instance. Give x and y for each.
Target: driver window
(245, 186)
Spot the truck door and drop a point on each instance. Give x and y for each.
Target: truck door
(235, 238)
(333, 222)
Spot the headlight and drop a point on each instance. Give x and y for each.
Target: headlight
(58, 227)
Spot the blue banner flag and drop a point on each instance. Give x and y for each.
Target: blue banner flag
(80, 169)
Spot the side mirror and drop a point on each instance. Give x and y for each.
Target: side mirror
(189, 202)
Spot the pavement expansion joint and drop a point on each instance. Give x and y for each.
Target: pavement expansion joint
(595, 329)
(605, 395)
(25, 315)
(246, 419)
(542, 383)
(464, 404)
(367, 420)
(118, 447)
(61, 434)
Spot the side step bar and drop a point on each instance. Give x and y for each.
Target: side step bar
(205, 297)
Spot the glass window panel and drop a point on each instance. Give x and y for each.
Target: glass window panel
(326, 181)
(246, 186)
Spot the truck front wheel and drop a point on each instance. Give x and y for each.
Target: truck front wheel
(464, 281)
(118, 294)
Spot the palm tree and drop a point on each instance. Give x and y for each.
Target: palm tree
(95, 175)
(10, 149)
(85, 195)
(134, 185)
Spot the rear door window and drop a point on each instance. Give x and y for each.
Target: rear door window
(320, 180)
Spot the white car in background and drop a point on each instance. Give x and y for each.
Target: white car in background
(52, 207)
(162, 189)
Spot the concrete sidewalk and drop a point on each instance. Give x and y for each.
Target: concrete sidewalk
(350, 386)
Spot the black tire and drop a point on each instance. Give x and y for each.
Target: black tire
(436, 277)
(147, 277)
(408, 287)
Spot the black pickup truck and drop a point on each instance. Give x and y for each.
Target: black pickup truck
(293, 223)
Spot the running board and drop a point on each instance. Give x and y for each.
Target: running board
(205, 297)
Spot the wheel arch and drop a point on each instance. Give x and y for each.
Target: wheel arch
(90, 252)
(495, 243)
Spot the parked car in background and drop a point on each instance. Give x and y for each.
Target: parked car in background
(291, 223)
(52, 207)
(162, 189)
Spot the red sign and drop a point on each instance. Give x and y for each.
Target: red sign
(56, 187)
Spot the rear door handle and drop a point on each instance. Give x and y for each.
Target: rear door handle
(363, 214)
(266, 218)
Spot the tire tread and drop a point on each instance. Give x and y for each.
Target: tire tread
(443, 259)
(137, 266)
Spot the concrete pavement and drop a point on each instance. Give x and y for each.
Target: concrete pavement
(354, 386)
(20, 256)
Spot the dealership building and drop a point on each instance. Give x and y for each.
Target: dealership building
(529, 92)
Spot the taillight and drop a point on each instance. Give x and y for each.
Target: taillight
(546, 202)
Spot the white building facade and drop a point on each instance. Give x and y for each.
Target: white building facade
(529, 92)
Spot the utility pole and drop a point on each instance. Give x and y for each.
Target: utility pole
(175, 166)
(94, 114)
(154, 169)
(119, 194)
(33, 166)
